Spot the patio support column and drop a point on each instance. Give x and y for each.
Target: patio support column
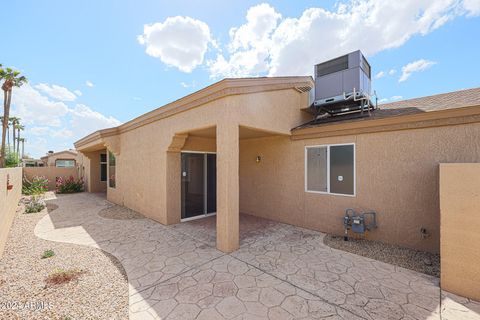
(227, 187)
(173, 187)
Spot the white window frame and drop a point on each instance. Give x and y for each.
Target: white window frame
(106, 163)
(328, 169)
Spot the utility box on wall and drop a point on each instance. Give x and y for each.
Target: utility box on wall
(459, 228)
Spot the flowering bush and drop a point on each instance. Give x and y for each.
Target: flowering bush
(38, 185)
(69, 185)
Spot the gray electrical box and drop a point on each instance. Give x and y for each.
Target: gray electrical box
(344, 74)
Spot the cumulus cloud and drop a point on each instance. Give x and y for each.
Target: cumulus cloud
(51, 124)
(89, 83)
(57, 92)
(267, 44)
(415, 66)
(84, 120)
(34, 108)
(180, 42)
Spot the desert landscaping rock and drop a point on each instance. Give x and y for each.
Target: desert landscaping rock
(420, 261)
(100, 292)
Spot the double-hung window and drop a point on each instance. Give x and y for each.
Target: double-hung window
(330, 169)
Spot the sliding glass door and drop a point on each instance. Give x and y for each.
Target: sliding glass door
(199, 184)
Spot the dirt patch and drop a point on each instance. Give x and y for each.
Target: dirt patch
(420, 261)
(63, 276)
(119, 213)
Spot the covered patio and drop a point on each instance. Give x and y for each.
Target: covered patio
(279, 272)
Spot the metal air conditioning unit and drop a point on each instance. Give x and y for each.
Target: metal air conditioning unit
(343, 85)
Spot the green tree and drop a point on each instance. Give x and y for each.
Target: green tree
(10, 79)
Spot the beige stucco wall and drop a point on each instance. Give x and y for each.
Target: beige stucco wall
(142, 163)
(51, 173)
(396, 176)
(460, 225)
(90, 171)
(8, 201)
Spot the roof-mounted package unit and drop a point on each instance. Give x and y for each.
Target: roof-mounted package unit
(342, 86)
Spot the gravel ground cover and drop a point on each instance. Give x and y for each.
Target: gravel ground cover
(424, 262)
(98, 291)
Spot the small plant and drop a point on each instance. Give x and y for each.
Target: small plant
(48, 254)
(69, 185)
(35, 205)
(61, 276)
(38, 186)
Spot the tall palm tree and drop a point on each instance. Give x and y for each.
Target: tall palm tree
(19, 128)
(8, 128)
(14, 122)
(11, 79)
(22, 140)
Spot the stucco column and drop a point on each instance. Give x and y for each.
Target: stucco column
(227, 187)
(173, 187)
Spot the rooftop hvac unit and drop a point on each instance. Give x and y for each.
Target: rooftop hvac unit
(342, 85)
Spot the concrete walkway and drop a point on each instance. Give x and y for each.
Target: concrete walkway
(279, 272)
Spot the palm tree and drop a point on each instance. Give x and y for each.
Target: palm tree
(8, 128)
(22, 140)
(11, 79)
(19, 128)
(14, 121)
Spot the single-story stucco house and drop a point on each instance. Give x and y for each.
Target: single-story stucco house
(249, 146)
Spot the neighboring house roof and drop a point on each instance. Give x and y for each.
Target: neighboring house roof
(220, 89)
(72, 152)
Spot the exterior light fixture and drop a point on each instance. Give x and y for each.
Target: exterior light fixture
(258, 159)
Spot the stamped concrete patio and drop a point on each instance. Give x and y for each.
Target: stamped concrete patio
(279, 272)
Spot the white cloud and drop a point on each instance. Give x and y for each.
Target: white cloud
(34, 108)
(392, 72)
(53, 124)
(396, 98)
(415, 66)
(180, 42)
(189, 85)
(56, 92)
(84, 120)
(292, 46)
(379, 75)
(89, 83)
(472, 7)
(78, 92)
(393, 98)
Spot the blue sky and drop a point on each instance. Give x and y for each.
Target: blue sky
(139, 55)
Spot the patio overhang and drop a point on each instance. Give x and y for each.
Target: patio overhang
(101, 139)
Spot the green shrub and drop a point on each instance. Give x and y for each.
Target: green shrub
(34, 206)
(48, 254)
(38, 186)
(69, 185)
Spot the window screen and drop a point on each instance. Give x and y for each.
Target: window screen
(341, 169)
(317, 169)
(330, 169)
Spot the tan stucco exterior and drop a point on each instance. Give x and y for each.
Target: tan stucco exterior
(51, 173)
(8, 201)
(397, 171)
(460, 225)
